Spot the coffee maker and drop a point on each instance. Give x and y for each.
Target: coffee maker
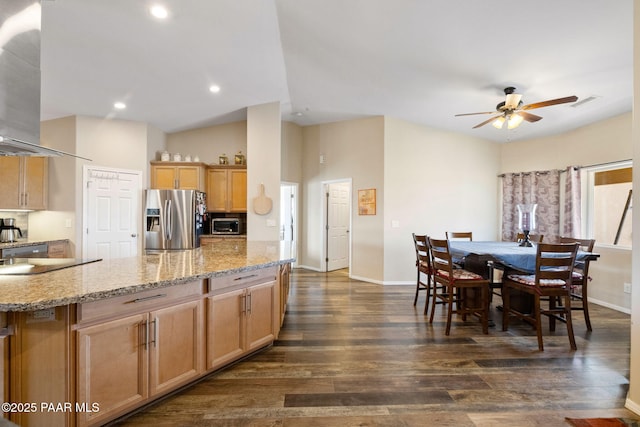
(8, 230)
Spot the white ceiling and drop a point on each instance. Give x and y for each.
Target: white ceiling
(419, 60)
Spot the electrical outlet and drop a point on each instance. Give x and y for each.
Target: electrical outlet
(627, 288)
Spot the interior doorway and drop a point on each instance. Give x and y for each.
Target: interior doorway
(111, 212)
(337, 224)
(289, 213)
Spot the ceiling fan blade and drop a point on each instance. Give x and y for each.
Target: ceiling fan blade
(529, 117)
(473, 114)
(550, 102)
(487, 121)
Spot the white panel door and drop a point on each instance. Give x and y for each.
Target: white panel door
(338, 214)
(113, 211)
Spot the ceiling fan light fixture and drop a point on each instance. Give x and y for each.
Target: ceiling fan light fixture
(513, 101)
(498, 122)
(514, 121)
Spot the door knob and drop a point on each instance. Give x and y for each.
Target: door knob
(134, 235)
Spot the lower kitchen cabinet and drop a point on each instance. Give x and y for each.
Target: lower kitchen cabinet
(4, 371)
(241, 321)
(123, 363)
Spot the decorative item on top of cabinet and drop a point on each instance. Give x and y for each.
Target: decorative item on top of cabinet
(223, 160)
(227, 188)
(25, 182)
(240, 159)
(178, 175)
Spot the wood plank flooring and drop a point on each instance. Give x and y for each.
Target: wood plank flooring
(358, 354)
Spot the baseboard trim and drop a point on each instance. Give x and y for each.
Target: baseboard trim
(632, 406)
(609, 305)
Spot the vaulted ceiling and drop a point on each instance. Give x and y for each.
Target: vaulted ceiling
(329, 60)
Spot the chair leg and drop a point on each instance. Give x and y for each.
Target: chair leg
(505, 308)
(449, 310)
(572, 338)
(585, 306)
(485, 291)
(538, 317)
(433, 301)
(426, 303)
(552, 307)
(415, 299)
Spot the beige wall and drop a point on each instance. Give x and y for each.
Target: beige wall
(291, 166)
(209, 143)
(435, 181)
(353, 150)
(264, 137)
(633, 398)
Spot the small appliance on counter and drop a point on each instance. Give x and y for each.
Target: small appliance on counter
(226, 226)
(8, 230)
(174, 219)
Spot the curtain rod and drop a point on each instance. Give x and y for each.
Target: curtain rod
(502, 175)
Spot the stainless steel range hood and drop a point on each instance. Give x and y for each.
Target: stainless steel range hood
(20, 80)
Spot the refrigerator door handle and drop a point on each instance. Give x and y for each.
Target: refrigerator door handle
(168, 224)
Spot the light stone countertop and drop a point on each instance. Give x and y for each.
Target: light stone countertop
(108, 278)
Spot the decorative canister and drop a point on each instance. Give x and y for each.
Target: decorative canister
(165, 156)
(187, 158)
(223, 160)
(177, 157)
(196, 158)
(239, 158)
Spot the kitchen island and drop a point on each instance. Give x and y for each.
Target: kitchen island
(88, 344)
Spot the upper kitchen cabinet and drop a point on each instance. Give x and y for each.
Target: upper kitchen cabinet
(24, 182)
(227, 189)
(178, 175)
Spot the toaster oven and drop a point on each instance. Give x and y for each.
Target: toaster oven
(226, 226)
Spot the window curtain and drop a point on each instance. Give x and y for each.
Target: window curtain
(572, 226)
(543, 188)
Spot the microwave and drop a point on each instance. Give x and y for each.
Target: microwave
(226, 226)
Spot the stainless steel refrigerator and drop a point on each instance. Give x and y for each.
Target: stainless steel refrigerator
(174, 219)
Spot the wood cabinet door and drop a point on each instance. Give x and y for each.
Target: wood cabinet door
(35, 182)
(225, 328)
(188, 177)
(260, 317)
(163, 177)
(10, 190)
(176, 349)
(112, 367)
(4, 372)
(216, 190)
(237, 190)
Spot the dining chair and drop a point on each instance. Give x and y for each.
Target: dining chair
(552, 279)
(534, 238)
(459, 235)
(579, 288)
(467, 290)
(423, 266)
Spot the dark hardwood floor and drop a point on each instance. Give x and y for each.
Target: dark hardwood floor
(358, 354)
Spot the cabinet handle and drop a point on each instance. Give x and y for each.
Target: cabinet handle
(26, 199)
(155, 332)
(249, 304)
(243, 304)
(137, 300)
(145, 330)
(245, 277)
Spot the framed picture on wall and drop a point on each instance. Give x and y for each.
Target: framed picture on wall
(367, 202)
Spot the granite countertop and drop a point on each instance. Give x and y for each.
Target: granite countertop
(108, 278)
(21, 243)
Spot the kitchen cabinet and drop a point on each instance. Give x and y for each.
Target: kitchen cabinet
(227, 189)
(284, 281)
(57, 249)
(24, 182)
(153, 352)
(178, 175)
(4, 362)
(243, 319)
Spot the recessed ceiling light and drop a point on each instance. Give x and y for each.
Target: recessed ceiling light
(159, 11)
(119, 105)
(214, 88)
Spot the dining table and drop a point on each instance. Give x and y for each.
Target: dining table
(504, 255)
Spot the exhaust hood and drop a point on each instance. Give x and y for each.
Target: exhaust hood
(20, 80)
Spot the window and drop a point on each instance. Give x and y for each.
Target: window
(609, 204)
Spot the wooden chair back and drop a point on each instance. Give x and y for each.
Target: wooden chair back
(554, 262)
(465, 235)
(535, 238)
(423, 259)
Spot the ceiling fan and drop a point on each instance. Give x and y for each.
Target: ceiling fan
(513, 112)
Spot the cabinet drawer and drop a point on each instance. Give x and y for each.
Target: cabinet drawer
(243, 279)
(139, 301)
